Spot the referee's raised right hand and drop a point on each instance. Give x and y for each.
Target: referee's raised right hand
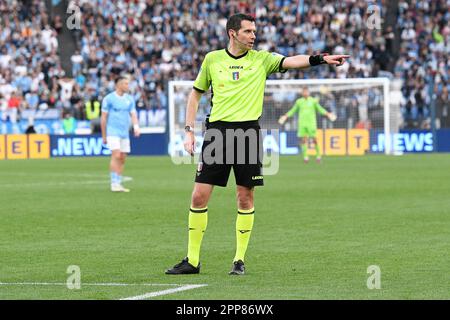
(189, 143)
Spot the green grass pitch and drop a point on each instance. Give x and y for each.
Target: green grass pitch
(317, 230)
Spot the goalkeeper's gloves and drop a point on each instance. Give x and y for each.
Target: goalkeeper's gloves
(331, 116)
(282, 119)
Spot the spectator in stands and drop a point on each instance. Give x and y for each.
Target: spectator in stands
(3, 105)
(13, 107)
(77, 60)
(424, 55)
(443, 109)
(69, 123)
(66, 85)
(31, 100)
(30, 128)
(57, 24)
(92, 110)
(156, 41)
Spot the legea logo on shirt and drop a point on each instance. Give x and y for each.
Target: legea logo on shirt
(235, 75)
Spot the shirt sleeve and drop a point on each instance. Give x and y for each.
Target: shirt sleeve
(203, 80)
(273, 62)
(319, 108)
(294, 109)
(105, 105)
(133, 105)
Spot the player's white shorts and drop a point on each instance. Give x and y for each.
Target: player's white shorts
(117, 143)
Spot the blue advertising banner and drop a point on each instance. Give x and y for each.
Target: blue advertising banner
(157, 144)
(41, 126)
(346, 142)
(154, 144)
(404, 141)
(443, 140)
(92, 145)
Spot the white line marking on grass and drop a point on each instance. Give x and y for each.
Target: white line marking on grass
(165, 292)
(126, 179)
(181, 287)
(54, 174)
(52, 184)
(60, 183)
(87, 284)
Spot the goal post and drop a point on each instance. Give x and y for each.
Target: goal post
(362, 105)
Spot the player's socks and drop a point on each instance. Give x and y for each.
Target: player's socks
(305, 151)
(318, 155)
(119, 179)
(244, 225)
(114, 178)
(198, 220)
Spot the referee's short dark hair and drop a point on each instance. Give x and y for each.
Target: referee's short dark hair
(234, 22)
(120, 78)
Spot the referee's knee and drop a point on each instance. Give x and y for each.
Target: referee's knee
(245, 204)
(199, 199)
(245, 199)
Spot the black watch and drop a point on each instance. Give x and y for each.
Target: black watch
(188, 129)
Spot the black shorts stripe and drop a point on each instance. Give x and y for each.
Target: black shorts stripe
(198, 210)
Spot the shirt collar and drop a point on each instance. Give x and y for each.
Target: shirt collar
(236, 57)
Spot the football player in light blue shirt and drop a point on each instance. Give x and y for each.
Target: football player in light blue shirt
(117, 109)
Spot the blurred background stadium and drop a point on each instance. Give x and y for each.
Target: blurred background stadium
(55, 70)
(59, 58)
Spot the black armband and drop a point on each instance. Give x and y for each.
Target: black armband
(316, 60)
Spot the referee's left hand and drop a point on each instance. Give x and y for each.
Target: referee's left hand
(337, 60)
(189, 143)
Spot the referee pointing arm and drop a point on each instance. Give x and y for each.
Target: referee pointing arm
(237, 77)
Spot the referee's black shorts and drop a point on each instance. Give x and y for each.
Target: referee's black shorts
(227, 145)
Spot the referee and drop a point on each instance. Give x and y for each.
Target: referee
(237, 77)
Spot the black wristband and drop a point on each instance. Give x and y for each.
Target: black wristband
(316, 60)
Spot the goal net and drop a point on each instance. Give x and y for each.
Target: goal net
(365, 116)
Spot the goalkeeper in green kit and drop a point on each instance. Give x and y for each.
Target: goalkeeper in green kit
(306, 108)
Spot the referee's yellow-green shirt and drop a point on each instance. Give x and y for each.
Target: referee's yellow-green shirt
(237, 83)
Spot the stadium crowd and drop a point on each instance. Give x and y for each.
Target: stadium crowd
(157, 41)
(424, 56)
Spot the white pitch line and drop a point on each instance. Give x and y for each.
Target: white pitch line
(50, 184)
(53, 174)
(61, 183)
(87, 284)
(181, 287)
(165, 292)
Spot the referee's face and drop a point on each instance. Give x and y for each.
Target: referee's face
(245, 37)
